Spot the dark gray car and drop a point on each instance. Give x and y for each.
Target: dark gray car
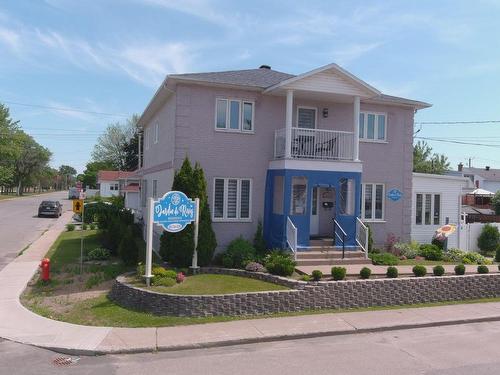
(50, 208)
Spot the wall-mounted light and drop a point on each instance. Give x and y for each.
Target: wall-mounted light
(325, 112)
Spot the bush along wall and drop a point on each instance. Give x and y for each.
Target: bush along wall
(177, 248)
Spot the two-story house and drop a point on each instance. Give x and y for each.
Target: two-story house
(296, 152)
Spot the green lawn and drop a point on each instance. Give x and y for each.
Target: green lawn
(205, 284)
(413, 262)
(14, 195)
(102, 312)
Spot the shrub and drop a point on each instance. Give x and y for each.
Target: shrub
(128, 249)
(279, 263)
(438, 270)
(408, 250)
(437, 242)
(365, 273)
(93, 280)
(163, 281)
(497, 254)
(419, 270)
(338, 273)
(386, 259)
(453, 255)
(489, 238)
(70, 227)
(255, 267)
(305, 278)
(482, 269)
(160, 272)
(177, 248)
(460, 269)
(84, 226)
(370, 238)
(99, 253)
(431, 252)
(392, 272)
(140, 270)
(474, 258)
(259, 243)
(92, 226)
(316, 275)
(238, 254)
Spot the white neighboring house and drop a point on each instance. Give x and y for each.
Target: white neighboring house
(485, 178)
(436, 200)
(110, 183)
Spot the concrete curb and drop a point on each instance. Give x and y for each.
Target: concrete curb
(255, 340)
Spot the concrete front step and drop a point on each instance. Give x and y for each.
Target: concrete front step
(334, 254)
(332, 262)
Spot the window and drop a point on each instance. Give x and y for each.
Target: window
(306, 118)
(278, 195)
(299, 196)
(155, 187)
(372, 126)
(232, 199)
(427, 209)
(346, 196)
(157, 130)
(111, 187)
(372, 202)
(234, 115)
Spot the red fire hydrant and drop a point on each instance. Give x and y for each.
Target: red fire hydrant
(45, 266)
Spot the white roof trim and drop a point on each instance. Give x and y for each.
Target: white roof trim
(333, 66)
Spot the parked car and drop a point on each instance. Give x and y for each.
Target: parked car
(73, 193)
(50, 208)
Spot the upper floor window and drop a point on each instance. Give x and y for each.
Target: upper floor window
(147, 132)
(234, 115)
(157, 131)
(372, 126)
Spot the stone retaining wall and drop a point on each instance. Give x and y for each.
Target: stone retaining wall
(305, 296)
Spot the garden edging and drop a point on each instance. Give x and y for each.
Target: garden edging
(307, 296)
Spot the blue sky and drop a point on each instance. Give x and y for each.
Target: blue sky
(109, 57)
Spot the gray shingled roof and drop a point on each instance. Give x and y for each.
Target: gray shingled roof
(491, 175)
(261, 78)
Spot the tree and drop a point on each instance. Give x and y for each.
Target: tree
(112, 145)
(9, 147)
(89, 176)
(489, 239)
(32, 159)
(177, 248)
(67, 173)
(495, 203)
(424, 161)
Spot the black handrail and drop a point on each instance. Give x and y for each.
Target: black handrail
(341, 238)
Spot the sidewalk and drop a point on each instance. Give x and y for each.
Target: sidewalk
(21, 325)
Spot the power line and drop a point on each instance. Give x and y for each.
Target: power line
(457, 122)
(459, 142)
(66, 109)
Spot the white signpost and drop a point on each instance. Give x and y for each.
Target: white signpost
(174, 211)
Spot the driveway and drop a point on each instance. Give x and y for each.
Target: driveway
(19, 224)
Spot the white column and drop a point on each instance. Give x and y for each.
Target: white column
(288, 124)
(356, 128)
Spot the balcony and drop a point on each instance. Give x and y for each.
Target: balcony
(315, 144)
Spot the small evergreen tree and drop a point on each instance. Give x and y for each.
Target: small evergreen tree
(127, 249)
(258, 241)
(489, 238)
(177, 248)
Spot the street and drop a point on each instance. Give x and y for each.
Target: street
(461, 349)
(19, 224)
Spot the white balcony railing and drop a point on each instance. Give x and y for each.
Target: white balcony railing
(315, 144)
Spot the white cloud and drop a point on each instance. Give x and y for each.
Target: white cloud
(10, 38)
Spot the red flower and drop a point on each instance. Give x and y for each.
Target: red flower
(180, 277)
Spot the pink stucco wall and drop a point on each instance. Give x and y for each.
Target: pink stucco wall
(225, 154)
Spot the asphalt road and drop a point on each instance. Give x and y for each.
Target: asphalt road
(458, 350)
(20, 226)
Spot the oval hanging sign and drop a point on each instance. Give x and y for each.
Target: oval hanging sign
(174, 211)
(394, 195)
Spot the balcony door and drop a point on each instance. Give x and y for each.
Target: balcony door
(304, 141)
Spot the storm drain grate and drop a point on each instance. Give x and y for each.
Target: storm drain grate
(64, 361)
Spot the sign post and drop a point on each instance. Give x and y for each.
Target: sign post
(78, 207)
(174, 211)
